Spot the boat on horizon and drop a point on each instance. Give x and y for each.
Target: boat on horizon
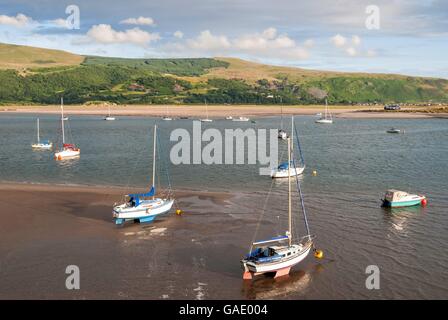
(241, 119)
(143, 207)
(109, 117)
(327, 118)
(396, 198)
(206, 114)
(67, 150)
(282, 133)
(394, 130)
(167, 116)
(45, 144)
(229, 118)
(273, 255)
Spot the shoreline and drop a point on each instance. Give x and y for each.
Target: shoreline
(221, 111)
(110, 190)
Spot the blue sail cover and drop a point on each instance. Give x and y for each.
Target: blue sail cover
(136, 196)
(284, 165)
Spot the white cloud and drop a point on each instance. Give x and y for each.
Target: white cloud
(351, 51)
(61, 23)
(371, 53)
(269, 33)
(207, 41)
(20, 20)
(178, 34)
(104, 33)
(264, 44)
(141, 21)
(356, 40)
(309, 43)
(338, 40)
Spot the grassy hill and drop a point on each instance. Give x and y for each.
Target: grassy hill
(40, 76)
(22, 57)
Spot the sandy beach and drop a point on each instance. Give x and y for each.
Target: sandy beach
(45, 228)
(219, 111)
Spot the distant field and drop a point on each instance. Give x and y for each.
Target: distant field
(21, 57)
(42, 76)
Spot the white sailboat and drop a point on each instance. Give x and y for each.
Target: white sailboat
(284, 170)
(273, 255)
(282, 133)
(68, 150)
(327, 118)
(137, 207)
(109, 117)
(167, 117)
(241, 119)
(206, 114)
(45, 144)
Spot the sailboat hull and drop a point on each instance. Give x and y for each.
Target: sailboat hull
(67, 153)
(324, 121)
(284, 173)
(42, 146)
(146, 211)
(257, 268)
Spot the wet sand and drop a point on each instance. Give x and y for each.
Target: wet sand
(216, 111)
(45, 228)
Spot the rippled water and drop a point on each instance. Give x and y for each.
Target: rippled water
(356, 161)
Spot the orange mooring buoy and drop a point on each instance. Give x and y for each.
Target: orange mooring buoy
(424, 202)
(178, 212)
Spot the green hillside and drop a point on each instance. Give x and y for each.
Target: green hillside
(41, 76)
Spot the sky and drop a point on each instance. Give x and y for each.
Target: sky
(385, 36)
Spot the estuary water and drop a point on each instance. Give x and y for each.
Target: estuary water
(356, 162)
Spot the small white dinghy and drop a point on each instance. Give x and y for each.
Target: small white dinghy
(43, 145)
(167, 116)
(109, 117)
(241, 119)
(68, 150)
(264, 257)
(327, 118)
(283, 170)
(137, 206)
(206, 114)
(229, 118)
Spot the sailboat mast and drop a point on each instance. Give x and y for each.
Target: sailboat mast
(292, 134)
(206, 109)
(154, 159)
(281, 117)
(289, 192)
(326, 108)
(38, 135)
(62, 120)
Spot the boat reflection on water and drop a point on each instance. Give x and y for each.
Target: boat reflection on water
(297, 282)
(399, 218)
(68, 162)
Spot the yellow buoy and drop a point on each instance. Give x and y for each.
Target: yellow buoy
(178, 212)
(318, 254)
(314, 173)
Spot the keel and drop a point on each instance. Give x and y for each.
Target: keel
(282, 272)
